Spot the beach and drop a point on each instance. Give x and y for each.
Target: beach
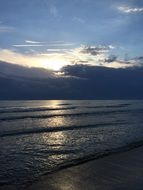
(119, 171)
(122, 171)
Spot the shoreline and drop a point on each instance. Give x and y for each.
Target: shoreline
(122, 171)
(69, 172)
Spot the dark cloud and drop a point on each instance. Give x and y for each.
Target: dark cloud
(13, 70)
(108, 83)
(94, 50)
(98, 83)
(111, 58)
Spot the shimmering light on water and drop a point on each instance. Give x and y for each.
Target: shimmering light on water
(37, 137)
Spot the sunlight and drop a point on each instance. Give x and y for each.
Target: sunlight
(54, 63)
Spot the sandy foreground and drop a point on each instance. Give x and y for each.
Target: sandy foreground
(122, 171)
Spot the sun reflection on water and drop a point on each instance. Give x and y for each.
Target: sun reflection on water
(54, 138)
(56, 141)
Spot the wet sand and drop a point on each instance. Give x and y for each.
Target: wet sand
(121, 171)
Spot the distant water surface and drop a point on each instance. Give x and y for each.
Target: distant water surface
(37, 137)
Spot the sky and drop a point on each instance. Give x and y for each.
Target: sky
(55, 33)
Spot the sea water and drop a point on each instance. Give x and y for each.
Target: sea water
(37, 137)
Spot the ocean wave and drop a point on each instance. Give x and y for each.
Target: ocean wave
(96, 155)
(39, 109)
(110, 106)
(64, 104)
(11, 118)
(56, 129)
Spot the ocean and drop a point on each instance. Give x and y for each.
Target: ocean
(39, 137)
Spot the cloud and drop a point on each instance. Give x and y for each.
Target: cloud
(57, 56)
(33, 42)
(4, 29)
(57, 50)
(54, 11)
(37, 42)
(19, 58)
(93, 55)
(62, 44)
(100, 56)
(43, 44)
(78, 19)
(79, 82)
(128, 10)
(46, 60)
(14, 71)
(28, 45)
(112, 47)
(111, 59)
(91, 75)
(94, 50)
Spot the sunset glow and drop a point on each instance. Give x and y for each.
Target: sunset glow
(54, 64)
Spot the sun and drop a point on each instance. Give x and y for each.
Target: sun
(54, 64)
